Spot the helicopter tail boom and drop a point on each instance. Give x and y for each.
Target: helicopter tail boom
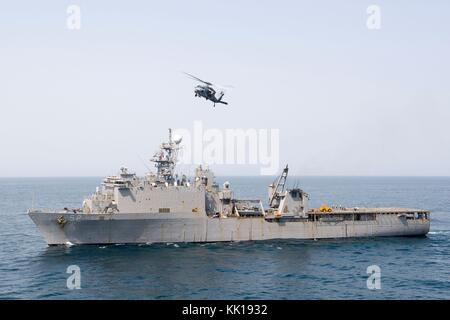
(219, 100)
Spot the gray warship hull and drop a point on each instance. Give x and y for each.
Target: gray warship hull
(128, 228)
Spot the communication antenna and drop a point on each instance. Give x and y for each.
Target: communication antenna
(143, 162)
(32, 200)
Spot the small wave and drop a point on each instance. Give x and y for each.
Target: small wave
(403, 249)
(102, 247)
(438, 232)
(289, 275)
(69, 244)
(176, 246)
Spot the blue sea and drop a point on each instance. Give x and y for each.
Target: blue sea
(411, 268)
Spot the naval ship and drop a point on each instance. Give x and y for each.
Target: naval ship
(166, 207)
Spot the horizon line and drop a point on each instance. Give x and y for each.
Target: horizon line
(250, 176)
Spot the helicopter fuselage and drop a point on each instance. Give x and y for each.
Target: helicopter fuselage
(209, 94)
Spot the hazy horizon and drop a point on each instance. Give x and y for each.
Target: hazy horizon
(347, 100)
(290, 177)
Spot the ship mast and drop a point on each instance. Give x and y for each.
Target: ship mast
(165, 160)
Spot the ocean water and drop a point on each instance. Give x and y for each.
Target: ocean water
(411, 268)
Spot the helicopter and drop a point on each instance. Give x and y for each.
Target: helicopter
(207, 91)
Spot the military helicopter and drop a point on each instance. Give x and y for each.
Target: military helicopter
(207, 91)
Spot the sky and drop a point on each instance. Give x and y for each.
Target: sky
(347, 100)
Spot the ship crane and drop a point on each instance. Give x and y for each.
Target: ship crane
(278, 188)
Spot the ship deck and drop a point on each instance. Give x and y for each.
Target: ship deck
(392, 210)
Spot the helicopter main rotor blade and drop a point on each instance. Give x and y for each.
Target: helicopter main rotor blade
(198, 79)
(223, 87)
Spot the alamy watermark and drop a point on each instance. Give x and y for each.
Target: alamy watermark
(74, 280)
(73, 21)
(374, 279)
(374, 19)
(231, 146)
